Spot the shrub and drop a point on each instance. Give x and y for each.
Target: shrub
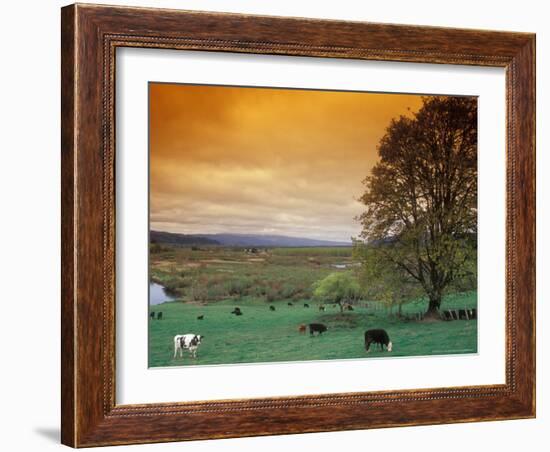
(238, 287)
(198, 292)
(216, 292)
(338, 288)
(155, 248)
(271, 295)
(288, 291)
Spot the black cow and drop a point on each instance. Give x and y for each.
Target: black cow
(200, 317)
(463, 314)
(306, 305)
(318, 328)
(152, 315)
(159, 316)
(272, 308)
(289, 303)
(377, 337)
(237, 311)
(448, 315)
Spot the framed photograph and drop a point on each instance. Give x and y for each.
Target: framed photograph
(281, 225)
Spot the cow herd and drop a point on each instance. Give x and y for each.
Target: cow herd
(155, 315)
(191, 341)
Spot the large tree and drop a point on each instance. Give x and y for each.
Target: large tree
(382, 280)
(421, 196)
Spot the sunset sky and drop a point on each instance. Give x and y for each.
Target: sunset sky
(264, 161)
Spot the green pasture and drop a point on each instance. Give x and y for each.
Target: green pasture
(261, 335)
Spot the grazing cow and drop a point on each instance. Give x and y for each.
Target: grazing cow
(463, 314)
(152, 315)
(306, 305)
(189, 342)
(272, 308)
(377, 337)
(237, 311)
(200, 317)
(318, 328)
(289, 303)
(448, 315)
(302, 328)
(159, 316)
(322, 308)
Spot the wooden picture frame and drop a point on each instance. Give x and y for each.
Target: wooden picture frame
(90, 36)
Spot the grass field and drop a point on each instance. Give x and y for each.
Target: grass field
(211, 281)
(261, 335)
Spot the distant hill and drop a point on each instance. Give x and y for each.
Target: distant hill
(245, 240)
(180, 239)
(270, 240)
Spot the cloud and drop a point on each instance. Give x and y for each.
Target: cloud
(257, 160)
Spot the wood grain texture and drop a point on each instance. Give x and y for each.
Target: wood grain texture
(90, 36)
(68, 331)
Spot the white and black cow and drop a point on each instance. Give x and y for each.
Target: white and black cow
(190, 342)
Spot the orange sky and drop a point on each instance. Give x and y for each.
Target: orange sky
(264, 161)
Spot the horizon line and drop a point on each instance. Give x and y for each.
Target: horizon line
(252, 233)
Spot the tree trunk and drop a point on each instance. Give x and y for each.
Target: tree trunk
(433, 307)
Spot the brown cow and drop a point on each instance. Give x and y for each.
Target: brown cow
(302, 328)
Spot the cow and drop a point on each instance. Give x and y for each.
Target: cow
(152, 315)
(159, 316)
(272, 308)
(237, 311)
(349, 307)
(318, 328)
(302, 328)
(377, 337)
(289, 303)
(463, 314)
(448, 315)
(200, 317)
(322, 308)
(306, 305)
(189, 342)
